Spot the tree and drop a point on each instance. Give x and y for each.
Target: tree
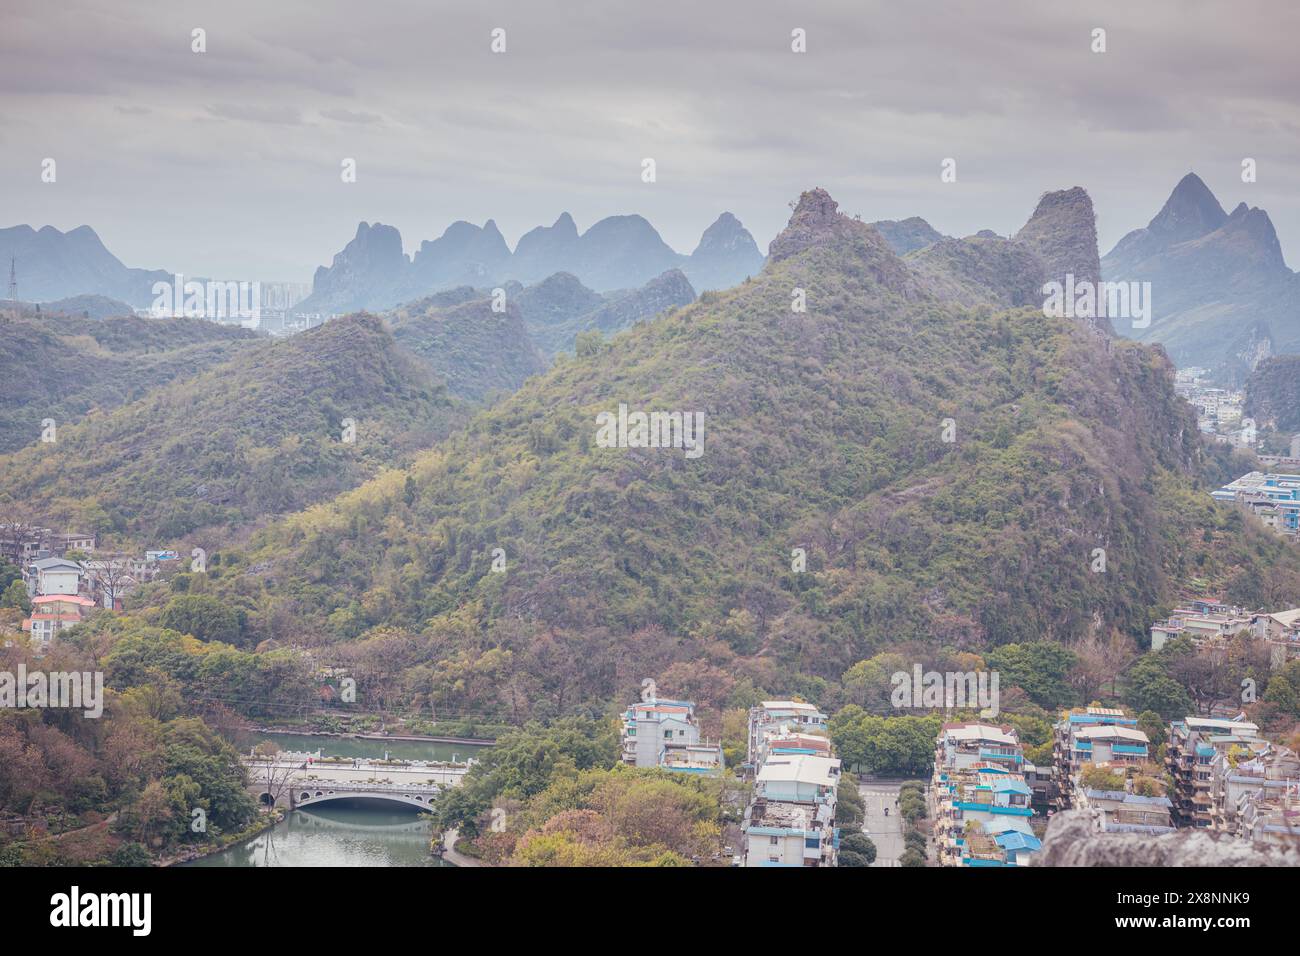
(271, 775)
(111, 578)
(203, 616)
(886, 745)
(15, 595)
(912, 858)
(131, 854)
(858, 843)
(1040, 668)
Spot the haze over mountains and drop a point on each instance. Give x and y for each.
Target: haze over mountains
(1222, 294)
(57, 265)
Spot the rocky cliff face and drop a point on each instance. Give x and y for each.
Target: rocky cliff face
(1273, 393)
(817, 221)
(368, 272)
(1063, 233)
(1073, 840)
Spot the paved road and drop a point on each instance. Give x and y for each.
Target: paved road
(886, 832)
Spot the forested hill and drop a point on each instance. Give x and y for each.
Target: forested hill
(61, 366)
(949, 470)
(259, 434)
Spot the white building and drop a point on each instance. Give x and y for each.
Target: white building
(53, 576)
(650, 725)
(774, 717)
(790, 834)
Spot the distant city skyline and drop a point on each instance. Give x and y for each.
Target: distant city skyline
(227, 162)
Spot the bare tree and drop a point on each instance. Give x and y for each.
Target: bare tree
(111, 577)
(273, 775)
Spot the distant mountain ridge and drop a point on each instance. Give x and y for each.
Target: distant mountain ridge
(1223, 296)
(617, 252)
(52, 265)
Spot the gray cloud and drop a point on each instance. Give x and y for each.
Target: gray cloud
(227, 162)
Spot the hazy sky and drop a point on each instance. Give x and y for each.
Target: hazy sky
(227, 163)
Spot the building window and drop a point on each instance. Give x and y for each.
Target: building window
(773, 840)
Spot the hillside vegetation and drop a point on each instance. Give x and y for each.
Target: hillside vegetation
(259, 434)
(825, 431)
(61, 366)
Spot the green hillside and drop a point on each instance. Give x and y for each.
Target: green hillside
(824, 431)
(60, 367)
(258, 435)
(478, 352)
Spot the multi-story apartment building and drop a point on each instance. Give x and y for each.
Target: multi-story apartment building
(780, 717)
(1119, 811)
(982, 801)
(1256, 792)
(1194, 742)
(649, 725)
(964, 745)
(1100, 736)
(791, 819)
(53, 613)
(1281, 632)
(781, 833)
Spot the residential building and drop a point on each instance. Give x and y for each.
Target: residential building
(791, 819)
(1255, 792)
(1119, 811)
(52, 613)
(1281, 632)
(799, 778)
(692, 758)
(1204, 621)
(1266, 807)
(651, 724)
(1193, 744)
(781, 833)
(53, 576)
(982, 800)
(790, 742)
(1095, 736)
(780, 717)
(1273, 497)
(964, 745)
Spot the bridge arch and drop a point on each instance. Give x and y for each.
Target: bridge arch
(418, 800)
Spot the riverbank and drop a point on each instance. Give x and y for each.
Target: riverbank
(452, 856)
(264, 822)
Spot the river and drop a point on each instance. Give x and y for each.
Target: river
(346, 832)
